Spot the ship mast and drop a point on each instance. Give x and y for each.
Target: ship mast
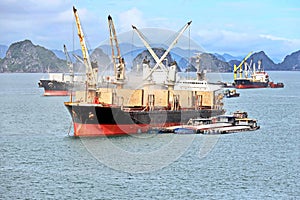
(91, 72)
(118, 61)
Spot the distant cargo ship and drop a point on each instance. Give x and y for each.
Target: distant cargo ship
(259, 79)
(250, 77)
(61, 84)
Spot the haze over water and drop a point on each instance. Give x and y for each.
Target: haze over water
(38, 160)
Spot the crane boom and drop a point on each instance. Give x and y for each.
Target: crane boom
(113, 37)
(159, 60)
(118, 61)
(172, 44)
(91, 74)
(147, 45)
(235, 68)
(69, 63)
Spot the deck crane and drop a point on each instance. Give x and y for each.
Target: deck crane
(239, 67)
(159, 60)
(78, 58)
(70, 64)
(91, 71)
(118, 61)
(147, 45)
(71, 70)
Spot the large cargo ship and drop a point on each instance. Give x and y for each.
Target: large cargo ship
(100, 111)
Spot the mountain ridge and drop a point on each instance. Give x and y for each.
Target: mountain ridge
(24, 56)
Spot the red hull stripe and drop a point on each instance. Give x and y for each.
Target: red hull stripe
(111, 130)
(249, 86)
(56, 93)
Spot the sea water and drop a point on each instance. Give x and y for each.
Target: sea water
(39, 160)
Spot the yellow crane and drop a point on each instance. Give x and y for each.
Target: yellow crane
(239, 67)
(91, 72)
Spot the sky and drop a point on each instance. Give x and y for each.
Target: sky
(218, 26)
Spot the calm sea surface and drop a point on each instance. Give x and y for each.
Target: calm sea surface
(38, 160)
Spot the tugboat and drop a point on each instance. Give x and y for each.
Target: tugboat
(231, 93)
(276, 85)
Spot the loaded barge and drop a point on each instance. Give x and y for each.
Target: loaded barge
(221, 124)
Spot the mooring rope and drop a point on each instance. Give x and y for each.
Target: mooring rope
(70, 128)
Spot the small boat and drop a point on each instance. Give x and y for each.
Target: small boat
(231, 93)
(276, 85)
(227, 85)
(184, 131)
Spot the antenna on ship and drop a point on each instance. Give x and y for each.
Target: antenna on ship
(91, 71)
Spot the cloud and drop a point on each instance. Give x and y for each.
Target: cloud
(31, 7)
(238, 43)
(274, 38)
(131, 17)
(48, 23)
(32, 19)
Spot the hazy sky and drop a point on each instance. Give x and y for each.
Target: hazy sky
(222, 26)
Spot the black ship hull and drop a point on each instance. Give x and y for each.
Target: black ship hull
(55, 88)
(246, 83)
(97, 120)
(59, 88)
